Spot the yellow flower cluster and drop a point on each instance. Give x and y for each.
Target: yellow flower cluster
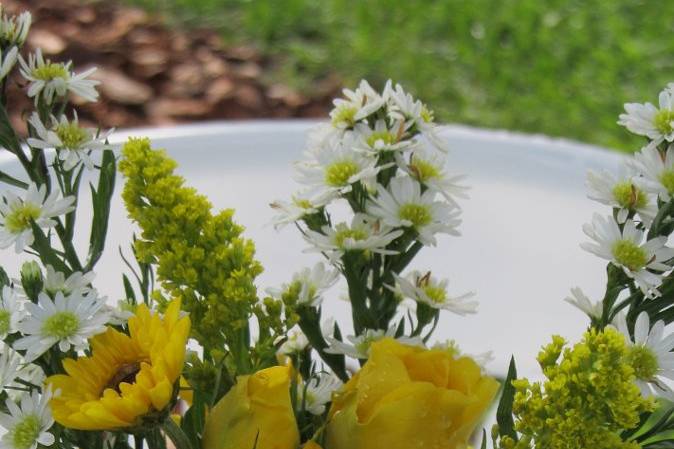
(200, 257)
(403, 397)
(128, 378)
(589, 397)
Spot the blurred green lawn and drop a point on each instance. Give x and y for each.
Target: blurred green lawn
(563, 68)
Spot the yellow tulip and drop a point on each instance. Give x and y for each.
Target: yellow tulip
(257, 407)
(409, 397)
(311, 444)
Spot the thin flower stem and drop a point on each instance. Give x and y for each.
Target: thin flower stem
(176, 434)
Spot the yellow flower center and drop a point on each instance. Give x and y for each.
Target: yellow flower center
(304, 204)
(629, 254)
(344, 114)
(339, 173)
(385, 137)
(363, 347)
(436, 294)
(427, 115)
(667, 180)
(353, 234)
(50, 71)
(71, 135)
(423, 170)
(663, 121)
(644, 361)
(25, 432)
(19, 219)
(629, 196)
(418, 214)
(4, 322)
(61, 325)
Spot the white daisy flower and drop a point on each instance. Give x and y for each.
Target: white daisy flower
(622, 193)
(295, 343)
(451, 347)
(365, 234)
(656, 123)
(657, 169)
(359, 346)
(66, 320)
(10, 362)
(356, 106)
(118, 315)
(7, 61)
(17, 213)
(73, 143)
(335, 167)
(403, 205)
(14, 29)
(415, 114)
(308, 285)
(628, 250)
(382, 138)
(28, 426)
(302, 205)
(317, 392)
(49, 79)
(579, 300)
(10, 311)
(78, 282)
(650, 354)
(426, 289)
(429, 168)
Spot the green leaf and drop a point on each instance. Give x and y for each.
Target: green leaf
(194, 420)
(128, 289)
(8, 138)
(4, 279)
(48, 256)
(7, 179)
(504, 412)
(484, 439)
(101, 199)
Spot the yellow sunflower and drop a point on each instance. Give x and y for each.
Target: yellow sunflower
(128, 377)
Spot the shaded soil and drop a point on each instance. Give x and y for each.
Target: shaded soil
(153, 75)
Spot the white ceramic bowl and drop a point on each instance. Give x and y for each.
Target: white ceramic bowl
(521, 232)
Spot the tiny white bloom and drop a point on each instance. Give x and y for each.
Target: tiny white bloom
(118, 315)
(357, 105)
(9, 367)
(308, 285)
(17, 213)
(579, 300)
(415, 114)
(628, 250)
(429, 168)
(359, 346)
(451, 347)
(67, 321)
(623, 193)
(10, 311)
(365, 234)
(382, 138)
(77, 282)
(48, 79)
(303, 204)
(656, 123)
(14, 29)
(73, 143)
(657, 169)
(317, 392)
(650, 354)
(335, 167)
(426, 289)
(7, 61)
(296, 342)
(403, 205)
(28, 426)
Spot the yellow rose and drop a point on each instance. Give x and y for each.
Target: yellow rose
(311, 444)
(408, 397)
(258, 406)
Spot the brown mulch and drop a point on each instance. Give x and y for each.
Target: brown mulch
(155, 75)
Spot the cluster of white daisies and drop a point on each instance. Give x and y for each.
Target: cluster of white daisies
(642, 189)
(48, 83)
(382, 160)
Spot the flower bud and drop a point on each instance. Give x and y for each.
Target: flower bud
(31, 279)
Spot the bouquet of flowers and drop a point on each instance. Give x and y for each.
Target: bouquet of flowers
(194, 356)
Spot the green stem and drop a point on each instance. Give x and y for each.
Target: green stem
(176, 434)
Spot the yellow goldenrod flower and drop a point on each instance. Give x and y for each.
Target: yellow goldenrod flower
(406, 396)
(128, 377)
(257, 409)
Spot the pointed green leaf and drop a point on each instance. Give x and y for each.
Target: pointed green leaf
(504, 413)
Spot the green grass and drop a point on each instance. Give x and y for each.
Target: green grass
(563, 68)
